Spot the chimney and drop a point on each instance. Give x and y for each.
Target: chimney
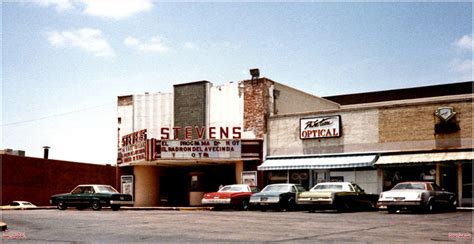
(46, 152)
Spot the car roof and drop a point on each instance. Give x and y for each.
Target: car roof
(21, 201)
(419, 182)
(237, 185)
(334, 183)
(93, 185)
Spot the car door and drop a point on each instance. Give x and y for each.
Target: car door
(441, 196)
(74, 199)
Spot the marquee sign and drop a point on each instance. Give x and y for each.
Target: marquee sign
(320, 127)
(133, 147)
(194, 149)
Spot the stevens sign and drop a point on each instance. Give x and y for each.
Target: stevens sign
(320, 127)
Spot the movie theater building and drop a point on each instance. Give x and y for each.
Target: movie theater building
(378, 139)
(173, 147)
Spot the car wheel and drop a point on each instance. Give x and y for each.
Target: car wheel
(429, 208)
(245, 205)
(291, 205)
(452, 204)
(62, 205)
(115, 207)
(391, 209)
(96, 205)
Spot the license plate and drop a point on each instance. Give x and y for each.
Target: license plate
(263, 199)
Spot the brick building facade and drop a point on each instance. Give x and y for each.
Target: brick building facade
(393, 136)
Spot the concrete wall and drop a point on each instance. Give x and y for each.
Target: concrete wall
(36, 179)
(289, 100)
(146, 185)
(226, 106)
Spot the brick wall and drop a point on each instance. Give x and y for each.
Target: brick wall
(417, 123)
(37, 179)
(257, 106)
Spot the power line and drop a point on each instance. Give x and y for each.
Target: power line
(55, 115)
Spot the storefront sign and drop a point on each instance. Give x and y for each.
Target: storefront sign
(445, 113)
(189, 149)
(133, 147)
(320, 127)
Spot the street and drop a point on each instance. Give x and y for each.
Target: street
(228, 226)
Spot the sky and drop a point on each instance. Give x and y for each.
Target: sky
(64, 62)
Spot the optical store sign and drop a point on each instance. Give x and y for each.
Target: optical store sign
(194, 149)
(320, 127)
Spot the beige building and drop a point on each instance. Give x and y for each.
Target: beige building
(378, 139)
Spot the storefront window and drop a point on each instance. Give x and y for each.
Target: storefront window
(280, 176)
(467, 180)
(300, 177)
(395, 175)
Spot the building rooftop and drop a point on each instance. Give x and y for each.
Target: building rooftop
(404, 93)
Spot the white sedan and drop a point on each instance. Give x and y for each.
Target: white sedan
(18, 205)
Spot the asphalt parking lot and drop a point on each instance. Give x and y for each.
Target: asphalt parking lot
(229, 226)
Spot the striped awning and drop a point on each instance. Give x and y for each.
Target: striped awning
(318, 162)
(416, 158)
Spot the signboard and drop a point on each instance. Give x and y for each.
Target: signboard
(194, 149)
(134, 147)
(249, 178)
(320, 127)
(127, 184)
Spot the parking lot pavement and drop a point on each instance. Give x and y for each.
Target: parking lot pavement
(225, 226)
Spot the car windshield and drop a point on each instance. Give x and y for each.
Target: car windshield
(106, 189)
(325, 187)
(232, 189)
(409, 186)
(277, 188)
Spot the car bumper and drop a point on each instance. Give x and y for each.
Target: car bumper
(399, 203)
(314, 201)
(215, 201)
(121, 203)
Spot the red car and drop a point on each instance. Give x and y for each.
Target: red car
(236, 196)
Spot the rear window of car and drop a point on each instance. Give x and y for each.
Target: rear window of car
(327, 187)
(106, 189)
(232, 189)
(277, 188)
(410, 186)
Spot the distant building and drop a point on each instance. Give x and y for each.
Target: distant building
(9, 151)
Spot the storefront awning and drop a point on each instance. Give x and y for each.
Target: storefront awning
(318, 162)
(433, 157)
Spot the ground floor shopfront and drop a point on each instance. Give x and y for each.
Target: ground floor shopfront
(182, 181)
(452, 170)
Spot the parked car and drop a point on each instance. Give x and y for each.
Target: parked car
(235, 196)
(276, 196)
(18, 205)
(341, 196)
(95, 196)
(417, 195)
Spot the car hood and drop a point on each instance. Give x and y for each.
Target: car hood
(222, 195)
(268, 194)
(61, 195)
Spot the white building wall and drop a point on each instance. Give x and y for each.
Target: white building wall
(147, 111)
(226, 107)
(153, 111)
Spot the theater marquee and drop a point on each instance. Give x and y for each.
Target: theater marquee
(194, 149)
(320, 127)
